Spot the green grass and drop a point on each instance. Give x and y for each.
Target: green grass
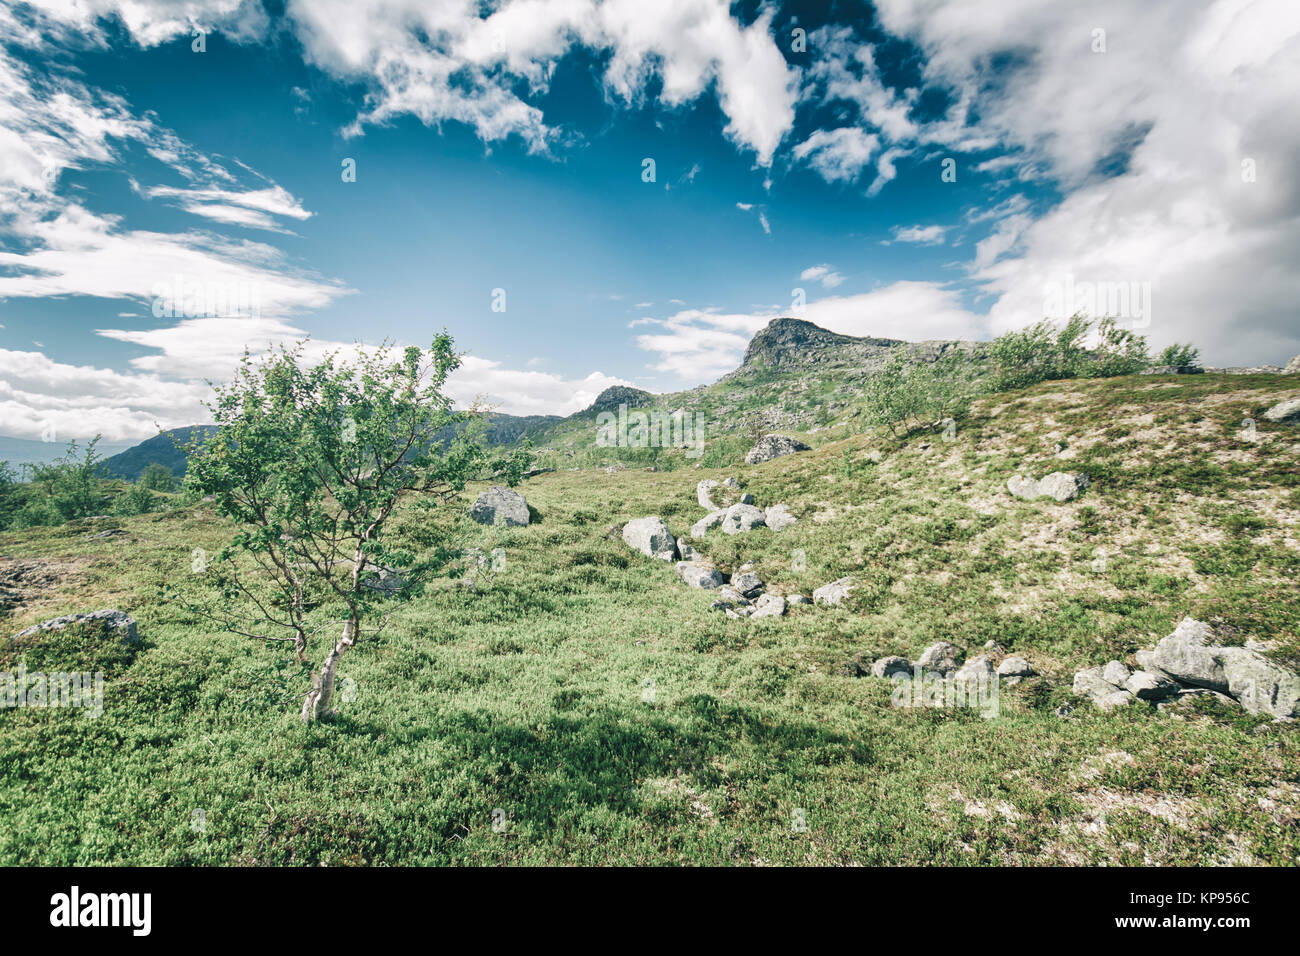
(612, 717)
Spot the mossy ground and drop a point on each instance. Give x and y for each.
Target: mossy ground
(611, 717)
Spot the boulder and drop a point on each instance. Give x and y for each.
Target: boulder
(1061, 485)
(748, 584)
(1092, 683)
(702, 491)
(778, 517)
(651, 537)
(1292, 367)
(500, 506)
(769, 605)
(122, 622)
(889, 666)
(1116, 673)
(796, 599)
(1015, 667)
(699, 575)
(774, 446)
(739, 518)
(977, 670)
(710, 520)
(942, 658)
(1145, 685)
(833, 593)
(687, 551)
(728, 593)
(1288, 412)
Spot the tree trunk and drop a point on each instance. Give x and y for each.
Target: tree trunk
(316, 705)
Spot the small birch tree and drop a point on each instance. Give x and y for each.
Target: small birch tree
(310, 462)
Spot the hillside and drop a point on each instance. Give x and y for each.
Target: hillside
(583, 706)
(166, 448)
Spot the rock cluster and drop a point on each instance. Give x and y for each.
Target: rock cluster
(122, 622)
(1286, 413)
(774, 446)
(500, 505)
(1061, 485)
(1190, 661)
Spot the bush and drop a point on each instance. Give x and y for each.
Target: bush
(1045, 351)
(1179, 356)
(158, 477)
(137, 500)
(72, 484)
(904, 396)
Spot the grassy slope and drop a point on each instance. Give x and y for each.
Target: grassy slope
(528, 695)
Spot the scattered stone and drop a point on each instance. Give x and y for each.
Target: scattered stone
(1060, 485)
(833, 593)
(1015, 667)
(688, 551)
(702, 491)
(1090, 682)
(1288, 412)
(778, 517)
(942, 658)
(710, 520)
(746, 499)
(110, 533)
(742, 611)
(1117, 698)
(120, 620)
(387, 580)
(730, 483)
(728, 593)
(1173, 370)
(651, 537)
(740, 518)
(748, 584)
(534, 472)
(889, 666)
(699, 575)
(769, 605)
(796, 599)
(500, 505)
(1188, 656)
(774, 446)
(1292, 367)
(978, 670)
(1115, 673)
(1145, 685)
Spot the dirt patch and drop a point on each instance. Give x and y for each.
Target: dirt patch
(26, 580)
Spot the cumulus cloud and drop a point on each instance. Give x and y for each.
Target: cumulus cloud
(921, 235)
(824, 274)
(1147, 140)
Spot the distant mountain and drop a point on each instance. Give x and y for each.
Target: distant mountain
(162, 448)
(19, 452)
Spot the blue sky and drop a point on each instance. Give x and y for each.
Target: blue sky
(501, 147)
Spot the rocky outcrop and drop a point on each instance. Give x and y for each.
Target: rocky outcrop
(699, 575)
(741, 518)
(611, 398)
(651, 537)
(774, 446)
(1060, 485)
(1286, 413)
(500, 506)
(119, 621)
(833, 593)
(1190, 655)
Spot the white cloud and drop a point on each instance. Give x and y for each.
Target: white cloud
(1147, 142)
(921, 235)
(762, 221)
(824, 274)
(839, 154)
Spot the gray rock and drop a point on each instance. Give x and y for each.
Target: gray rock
(889, 666)
(774, 446)
(1089, 682)
(833, 593)
(1292, 367)
(1173, 370)
(699, 575)
(746, 499)
(702, 491)
(1148, 686)
(728, 593)
(740, 518)
(1060, 485)
(386, 580)
(769, 605)
(978, 670)
(1116, 673)
(500, 506)
(687, 551)
(748, 584)
(779, 517)
(1288, 412)
(1117, 698)
(796, 599)
(710, 520)
(942, 658)
(651, 537)
(1015, 667)
(730, 483)
(120, 620)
